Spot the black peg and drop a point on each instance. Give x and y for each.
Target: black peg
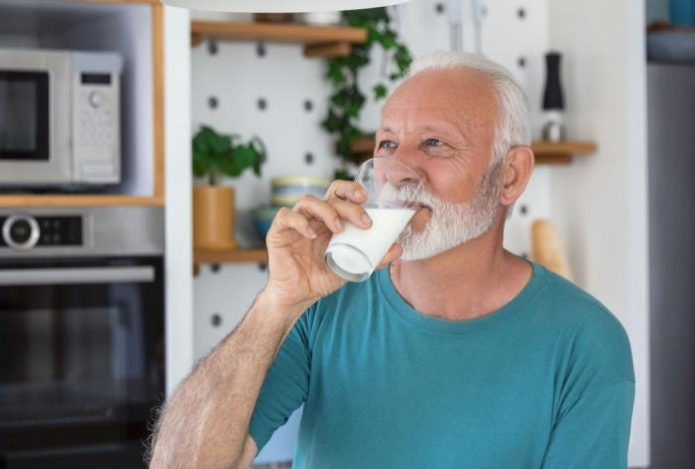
(212, 47)
(216, 320)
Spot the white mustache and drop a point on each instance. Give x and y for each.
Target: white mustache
(417, 194)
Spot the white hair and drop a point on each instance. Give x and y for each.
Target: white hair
(514, 120)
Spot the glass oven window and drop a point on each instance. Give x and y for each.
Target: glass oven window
(81, 353)
(24, 116)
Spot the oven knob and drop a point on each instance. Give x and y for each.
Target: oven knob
(21, 231)
(96, 99)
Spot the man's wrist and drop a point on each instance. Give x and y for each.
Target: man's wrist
(270, 307)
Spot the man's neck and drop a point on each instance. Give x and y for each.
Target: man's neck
(466, 282)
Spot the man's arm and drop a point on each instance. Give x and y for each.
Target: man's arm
(205, 424)
(596, 391)
(594, 433)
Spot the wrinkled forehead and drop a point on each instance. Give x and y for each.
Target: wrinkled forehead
(460, 97)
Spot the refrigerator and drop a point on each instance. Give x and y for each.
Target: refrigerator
(671, 135)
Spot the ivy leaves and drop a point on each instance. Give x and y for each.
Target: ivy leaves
(347, 99)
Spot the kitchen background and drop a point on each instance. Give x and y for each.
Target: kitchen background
(617, 202)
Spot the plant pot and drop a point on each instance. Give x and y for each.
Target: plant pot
(213, 217)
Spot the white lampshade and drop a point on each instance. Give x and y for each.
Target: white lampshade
(279, 6)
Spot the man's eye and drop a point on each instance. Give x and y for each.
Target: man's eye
(388, 144)
(434, 142)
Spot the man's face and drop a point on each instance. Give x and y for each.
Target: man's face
(442, 125)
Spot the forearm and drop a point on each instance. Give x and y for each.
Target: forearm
(206, 421)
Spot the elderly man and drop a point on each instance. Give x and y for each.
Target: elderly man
(458, 354)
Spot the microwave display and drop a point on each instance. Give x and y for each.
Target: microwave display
(24, 116)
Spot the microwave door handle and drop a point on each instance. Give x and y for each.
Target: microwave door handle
(76, 275)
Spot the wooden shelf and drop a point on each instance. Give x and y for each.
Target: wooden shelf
(546, 152)
(561, 152)
(53, 200)
(318, 41)
(230, 256)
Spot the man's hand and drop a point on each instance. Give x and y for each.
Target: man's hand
(298, 239)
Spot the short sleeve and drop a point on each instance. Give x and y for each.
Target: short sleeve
(594, 433)
(597, 389)
(286, 384)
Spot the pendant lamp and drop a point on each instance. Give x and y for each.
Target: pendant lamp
(280, 6)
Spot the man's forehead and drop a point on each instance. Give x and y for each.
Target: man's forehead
(464, 98)
(441, 121)
(462, 82)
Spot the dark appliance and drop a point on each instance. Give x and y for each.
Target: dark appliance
(81, 335)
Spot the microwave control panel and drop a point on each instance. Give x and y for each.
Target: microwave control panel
(96, 117)
(22, 231)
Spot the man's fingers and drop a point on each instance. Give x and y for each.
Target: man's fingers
(352, 212)
(331, 213)
(394, 253)
(287, 219)
(347, 190)
(314, 207)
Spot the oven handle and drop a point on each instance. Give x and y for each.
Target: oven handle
(76, 275)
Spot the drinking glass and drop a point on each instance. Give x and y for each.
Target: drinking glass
(354, 253)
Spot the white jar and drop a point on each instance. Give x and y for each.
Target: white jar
(324, 18)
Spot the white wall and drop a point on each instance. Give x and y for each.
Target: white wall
(600, 202)
(237, 77)
(179, 262)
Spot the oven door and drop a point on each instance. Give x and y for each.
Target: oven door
(34, 118)
(81, 361)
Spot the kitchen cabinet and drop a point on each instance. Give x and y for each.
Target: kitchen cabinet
(132, 28)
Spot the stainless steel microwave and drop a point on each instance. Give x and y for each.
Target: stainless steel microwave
(59, 118)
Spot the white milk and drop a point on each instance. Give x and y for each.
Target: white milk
(357, 252)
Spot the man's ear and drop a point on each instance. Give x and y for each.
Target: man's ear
(516, 173)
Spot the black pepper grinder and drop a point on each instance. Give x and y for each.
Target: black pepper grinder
(553, 100)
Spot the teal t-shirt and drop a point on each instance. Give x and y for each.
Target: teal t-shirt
(544, 382)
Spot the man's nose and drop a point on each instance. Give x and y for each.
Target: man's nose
(407, 169)
(401, 175)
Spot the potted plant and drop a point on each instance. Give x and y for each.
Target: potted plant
(214, 157)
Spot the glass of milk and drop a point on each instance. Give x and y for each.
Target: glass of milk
(354, 253)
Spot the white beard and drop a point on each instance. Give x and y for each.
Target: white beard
(450, 224)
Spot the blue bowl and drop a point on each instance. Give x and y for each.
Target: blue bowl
(262, 219)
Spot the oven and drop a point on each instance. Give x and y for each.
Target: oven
(81, 336)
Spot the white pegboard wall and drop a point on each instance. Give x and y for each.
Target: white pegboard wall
(272, 91)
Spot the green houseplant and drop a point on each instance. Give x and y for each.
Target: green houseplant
(347, 98)
(215, 156)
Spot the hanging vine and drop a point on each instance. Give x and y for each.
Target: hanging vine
(347, 99)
